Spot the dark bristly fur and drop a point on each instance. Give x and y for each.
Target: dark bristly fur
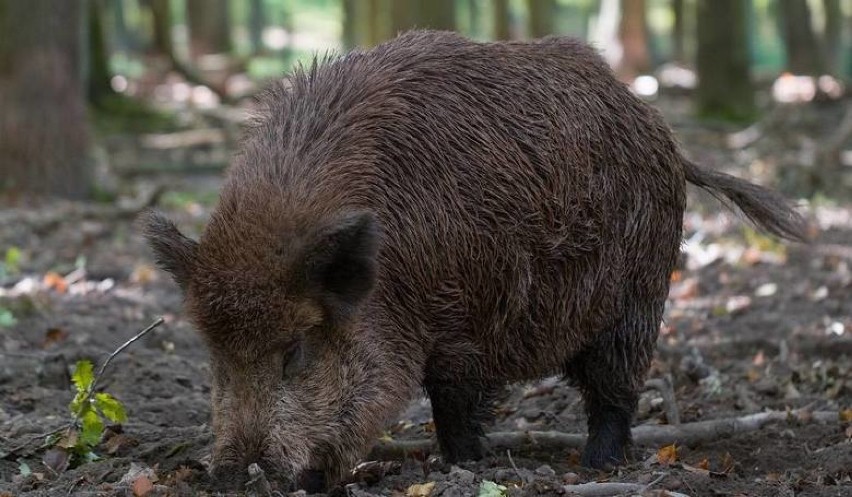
(443, 214)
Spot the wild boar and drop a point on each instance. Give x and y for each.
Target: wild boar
(436, 213)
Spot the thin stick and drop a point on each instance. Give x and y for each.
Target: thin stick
(157, 322)
(512, 462)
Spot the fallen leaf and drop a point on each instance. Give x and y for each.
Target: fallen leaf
(759, 358)
(420, 489)
(142, 486)
(667, 455)
(53, 336)
(57, 459)
(728, 463)
(118, 443)
(846, 415)
(703, 464)
(55, 281)
(491, 489)
(143, 274)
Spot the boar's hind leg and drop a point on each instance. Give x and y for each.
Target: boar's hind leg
(459, 411)
(609, 374)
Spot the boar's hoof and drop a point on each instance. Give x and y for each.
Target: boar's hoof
(603, 454)
(312, 481)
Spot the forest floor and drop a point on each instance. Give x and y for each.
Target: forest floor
(751, 325)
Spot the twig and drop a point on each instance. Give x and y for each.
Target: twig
(657, 480)
(647, 435)
(157, 322)
(665, 389)
(515, 466)
(32, 438)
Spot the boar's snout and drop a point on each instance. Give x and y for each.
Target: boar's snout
(235, 476)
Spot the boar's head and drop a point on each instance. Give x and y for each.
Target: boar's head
(280, 314)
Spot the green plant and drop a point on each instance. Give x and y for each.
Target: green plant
(89, 408)
(7, 318)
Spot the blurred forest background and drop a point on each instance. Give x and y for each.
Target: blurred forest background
(90, 86)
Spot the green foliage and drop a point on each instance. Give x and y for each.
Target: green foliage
(7, 319)
(490, 489)
(89, 410)
(11, 263)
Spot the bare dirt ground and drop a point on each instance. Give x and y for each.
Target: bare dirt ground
(751, 325)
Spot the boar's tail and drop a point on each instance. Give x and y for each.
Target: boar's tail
(765, 208)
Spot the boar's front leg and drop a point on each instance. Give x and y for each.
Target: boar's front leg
(610, 373)
(459, 409)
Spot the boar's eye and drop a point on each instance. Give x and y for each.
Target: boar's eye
(294, 359)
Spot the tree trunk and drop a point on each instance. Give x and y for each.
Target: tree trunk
(833, 39)
(724, 81)
(541, 14)
(800, 41)
(402, 17)
(99, 86)
(162, 24)
(502, 20)
(633, 32)
(43, 128)
(350, 24)
(678, 41)
(209, 23)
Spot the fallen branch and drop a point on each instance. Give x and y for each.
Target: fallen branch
(647, 435)
(611, 489)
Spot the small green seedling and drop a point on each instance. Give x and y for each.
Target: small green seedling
(89, 409)
(490, 489)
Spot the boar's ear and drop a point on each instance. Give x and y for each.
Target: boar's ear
(174, 252)
(341, 263)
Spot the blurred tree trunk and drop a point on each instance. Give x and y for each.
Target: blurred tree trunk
(800, 41)
(350, 22)
(475, 16)
(119, 25)
(724, 81)
(502, 20)
(99, 86)
(255, 25)
(833, 39)
(209, 23)
(633, 32)
(436, 14)
(402, 17)
(162, 23)
(541, 14)
(43, 127)
(367, 23)
(678, 41)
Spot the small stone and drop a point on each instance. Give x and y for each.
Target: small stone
(545, 470)
(570, 478)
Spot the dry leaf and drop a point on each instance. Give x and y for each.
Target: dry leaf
(55, 281)
(143, 274)
(667, 455)
(676, 276)
(759, 358)
(53, 336)
(846, 416)
(728, 463)
(57, 459)
(752, 375)
(420, 489)
(703, 464)
(142, 486)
